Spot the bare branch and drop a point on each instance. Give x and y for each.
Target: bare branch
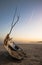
(14, 24)
(14, 17)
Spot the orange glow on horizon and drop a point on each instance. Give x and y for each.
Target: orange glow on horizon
(26, 40)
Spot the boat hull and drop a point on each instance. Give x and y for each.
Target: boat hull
(15, 53)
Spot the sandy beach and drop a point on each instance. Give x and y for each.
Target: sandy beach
(33, 51)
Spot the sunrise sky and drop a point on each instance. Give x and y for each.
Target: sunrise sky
(29, 27)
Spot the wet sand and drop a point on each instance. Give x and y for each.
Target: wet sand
(33, 51)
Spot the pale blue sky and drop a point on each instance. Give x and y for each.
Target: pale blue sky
(29, 26)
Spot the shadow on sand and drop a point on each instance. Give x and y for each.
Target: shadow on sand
(6, 58)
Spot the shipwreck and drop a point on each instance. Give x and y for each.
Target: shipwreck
(13, 49)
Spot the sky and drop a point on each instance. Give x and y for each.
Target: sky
(29, 26)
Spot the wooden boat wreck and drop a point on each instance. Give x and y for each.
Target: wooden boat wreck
(14, 50)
